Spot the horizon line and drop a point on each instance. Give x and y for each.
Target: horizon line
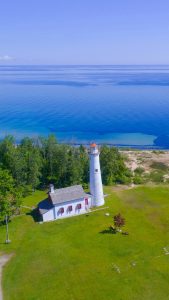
(57, 64)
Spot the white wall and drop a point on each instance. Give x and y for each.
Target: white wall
(55, 213)
(49, 215)
(96, 187)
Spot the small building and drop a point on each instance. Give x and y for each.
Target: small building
(64, 202)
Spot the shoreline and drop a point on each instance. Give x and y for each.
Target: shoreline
(140, 141)
(76, 138)
(119, 146)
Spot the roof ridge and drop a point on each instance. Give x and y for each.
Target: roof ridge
(69, 187)
(67, 194)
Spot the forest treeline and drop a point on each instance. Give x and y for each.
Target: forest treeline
(36, 162)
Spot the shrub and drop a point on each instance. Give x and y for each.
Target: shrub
(138, 179)
(157, 177)
(119, 221)
(139, 171)
(159, 166)
(158, 152)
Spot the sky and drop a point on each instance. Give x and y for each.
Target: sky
(84, 32)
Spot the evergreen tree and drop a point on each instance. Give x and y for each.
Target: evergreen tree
(32, 162)
(84, 164)
(51, 146)
(37, 162)
(10, 195)
(113, 167)
(74, 168)
(7, 152)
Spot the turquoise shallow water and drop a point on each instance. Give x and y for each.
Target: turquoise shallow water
(126, 105)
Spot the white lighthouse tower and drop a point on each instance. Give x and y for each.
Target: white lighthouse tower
(96, 188)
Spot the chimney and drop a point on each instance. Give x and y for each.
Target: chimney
(51, 188)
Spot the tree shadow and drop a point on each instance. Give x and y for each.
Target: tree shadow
(110, 230)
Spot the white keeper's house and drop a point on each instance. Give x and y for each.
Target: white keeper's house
(71, 201)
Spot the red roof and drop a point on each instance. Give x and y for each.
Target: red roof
(93, 145)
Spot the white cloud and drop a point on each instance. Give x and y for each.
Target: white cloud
(6, 58)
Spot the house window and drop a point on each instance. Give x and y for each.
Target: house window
(96, 170)
(62, 210)
(70, 208)
(86, 201)
(79, 206)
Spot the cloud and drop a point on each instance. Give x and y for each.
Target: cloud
(6, 58)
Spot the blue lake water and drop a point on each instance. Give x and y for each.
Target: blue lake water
(124, 105)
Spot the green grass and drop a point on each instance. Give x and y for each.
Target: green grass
(71, 259)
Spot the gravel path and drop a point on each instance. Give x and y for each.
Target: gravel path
(3, 260)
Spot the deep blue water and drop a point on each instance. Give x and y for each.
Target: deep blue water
(115, 104)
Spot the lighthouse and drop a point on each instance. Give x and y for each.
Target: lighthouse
(96, 188)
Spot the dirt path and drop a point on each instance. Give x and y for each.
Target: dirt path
(3, 260)
(123, 187)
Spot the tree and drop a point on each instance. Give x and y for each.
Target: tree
(119, 221)
(10, 195)
(113, 167)
(84, 163)
(23, 161)
(7, 152)
(32, 162)
(50, 153)
(74, 167)
(37, 162)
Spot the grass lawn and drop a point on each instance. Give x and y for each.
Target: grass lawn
(72, 259)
